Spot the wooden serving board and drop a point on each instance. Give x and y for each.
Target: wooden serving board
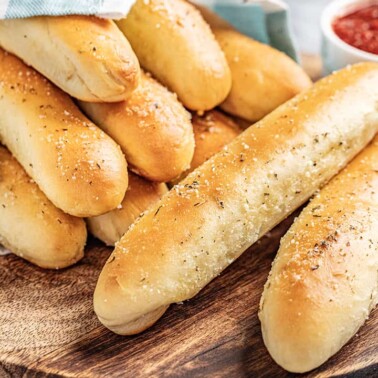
(48, 328)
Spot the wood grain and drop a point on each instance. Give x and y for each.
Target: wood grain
(48, 328)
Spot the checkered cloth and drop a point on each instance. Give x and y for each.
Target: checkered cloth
(27, 8)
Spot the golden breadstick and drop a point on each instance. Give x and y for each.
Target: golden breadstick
(78, 167)
(87, 57)
(203, 224)
(323, 282)
(31, 226)
(152, 128)
(262, 77)
(174, 43)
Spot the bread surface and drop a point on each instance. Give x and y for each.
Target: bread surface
(323, 282)
(174, 43)
(203, 224)
(78, 167)
(262, 77)
(31, 226)
(87, 57)
(140, 195)
(152, 128)
(212, 131)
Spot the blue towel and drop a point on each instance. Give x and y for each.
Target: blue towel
(265, 20)
(28, 8)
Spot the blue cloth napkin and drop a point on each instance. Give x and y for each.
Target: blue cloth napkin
(266, 21)
(114, 9)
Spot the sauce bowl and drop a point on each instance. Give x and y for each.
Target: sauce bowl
(336, 53)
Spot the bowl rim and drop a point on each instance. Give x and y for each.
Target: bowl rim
(339, 8)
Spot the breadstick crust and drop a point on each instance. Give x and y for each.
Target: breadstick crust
(212, 131)
(174, 43)
(87, 57)
(31, 226)
(203, 224)
(78, 167)
(140, 195)
(153, 129)
(262, 77)
(323, 282)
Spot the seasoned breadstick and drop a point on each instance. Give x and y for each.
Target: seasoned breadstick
(152, 128)
(141, 194)
(174, 43)
(78, 167)
(87, 57)
(203, 224)
(323, 283)
(262, 77)
(31, 226)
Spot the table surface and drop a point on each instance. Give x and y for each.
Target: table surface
(48, 328)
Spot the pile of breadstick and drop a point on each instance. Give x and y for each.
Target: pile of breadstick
(100, 118)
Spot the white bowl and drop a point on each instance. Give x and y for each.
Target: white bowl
(336, 53)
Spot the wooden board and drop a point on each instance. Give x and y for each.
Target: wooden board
(48, 328)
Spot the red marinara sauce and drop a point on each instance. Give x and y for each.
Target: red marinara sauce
(359, 29)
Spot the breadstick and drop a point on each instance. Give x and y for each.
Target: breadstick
(31, 226)
(140, 195)
(78, 167)
(174, 43)
(152, 128)
(323, 283)
(203, 224)
(262, 77)
(87, 57)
